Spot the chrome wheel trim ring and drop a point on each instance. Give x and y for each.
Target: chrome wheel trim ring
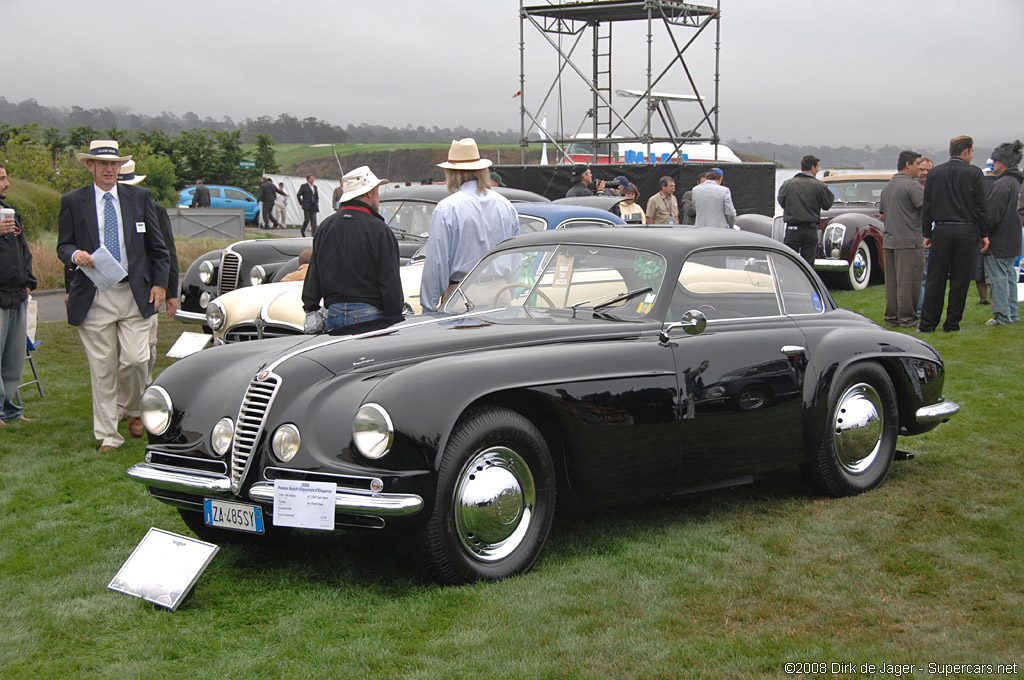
(857, 427)
(859, 266)
(493, 504)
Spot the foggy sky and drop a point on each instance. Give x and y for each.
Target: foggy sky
(816, 72)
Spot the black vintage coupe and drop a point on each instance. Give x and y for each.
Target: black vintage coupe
(582, 367)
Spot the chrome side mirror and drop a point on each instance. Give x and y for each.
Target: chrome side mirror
(694, 322)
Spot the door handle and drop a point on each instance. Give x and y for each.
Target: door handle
(793, 350)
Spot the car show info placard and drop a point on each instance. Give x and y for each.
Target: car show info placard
(306, 505)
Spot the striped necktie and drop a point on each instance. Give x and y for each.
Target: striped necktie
(110, 236)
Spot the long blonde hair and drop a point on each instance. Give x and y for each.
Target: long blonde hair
(456, 178)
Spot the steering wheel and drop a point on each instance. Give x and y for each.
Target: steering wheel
(510, 286)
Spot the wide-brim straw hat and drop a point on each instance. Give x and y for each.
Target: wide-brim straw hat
(102, 150)
(464, 155)
(127, 174)
(357, 182)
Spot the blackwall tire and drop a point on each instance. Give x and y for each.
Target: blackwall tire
(495, 500)
(860, 434)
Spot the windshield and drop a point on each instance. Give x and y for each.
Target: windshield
(582, 280)
(410, 217)
(864, 191)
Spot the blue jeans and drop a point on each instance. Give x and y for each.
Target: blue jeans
(1002, 288)
(13, 343)
(348, 313)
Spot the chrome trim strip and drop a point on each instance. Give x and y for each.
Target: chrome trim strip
(370, 334)
(351, 503)
(937, 413)
(825, 263)
(190, 317)
(182, 481)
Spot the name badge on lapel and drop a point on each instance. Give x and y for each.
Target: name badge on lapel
(140, 227)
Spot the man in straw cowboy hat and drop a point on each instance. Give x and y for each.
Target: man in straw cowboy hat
(128, 176)
(354, 266)
(464, 225)
(119, 222)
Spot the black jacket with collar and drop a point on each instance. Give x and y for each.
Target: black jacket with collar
(15, 267)
(1004, 239)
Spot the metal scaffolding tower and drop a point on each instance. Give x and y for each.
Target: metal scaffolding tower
(570, 22)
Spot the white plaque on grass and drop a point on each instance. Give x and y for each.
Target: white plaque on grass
(163, 568)
(188, 343)
(307, 505)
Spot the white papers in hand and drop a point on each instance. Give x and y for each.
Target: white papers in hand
(107, 271)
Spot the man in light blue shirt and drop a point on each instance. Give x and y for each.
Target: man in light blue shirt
(465, 225)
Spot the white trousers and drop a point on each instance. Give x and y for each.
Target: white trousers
(116, 341)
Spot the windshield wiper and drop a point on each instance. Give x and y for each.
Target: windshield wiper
(623, 297)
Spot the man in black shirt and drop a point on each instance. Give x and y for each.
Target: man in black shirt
(354, 267)
(955, 225)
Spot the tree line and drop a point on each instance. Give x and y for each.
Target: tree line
(286, 129)
(47, 156)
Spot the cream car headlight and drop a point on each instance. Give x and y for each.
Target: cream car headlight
(223, 433)
(372, 431)
(257, 275)
(206, 271)
(215, 315)
(156, 410)
(285, 442)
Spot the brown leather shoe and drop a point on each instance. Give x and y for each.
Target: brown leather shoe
(23, 419)
(106, 448)
(135, 427)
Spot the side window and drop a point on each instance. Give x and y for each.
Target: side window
(236, 195)
(528, 224)
(726, 284)
(799, 294)
(589, 222)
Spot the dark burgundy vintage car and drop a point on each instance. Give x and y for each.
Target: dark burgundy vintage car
(849, 235)
(570, 368)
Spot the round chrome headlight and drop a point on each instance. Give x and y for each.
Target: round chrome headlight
(206, 271)
(372, 431)
(285, 442)
(204, 299)
(156, 410)
(220, 438)
(257, 275)
(215, 315)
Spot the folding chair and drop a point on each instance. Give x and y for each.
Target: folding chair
(30, 347)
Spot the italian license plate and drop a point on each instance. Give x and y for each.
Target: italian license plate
(229, 515)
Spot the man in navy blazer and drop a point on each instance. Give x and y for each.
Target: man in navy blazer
(123, 219)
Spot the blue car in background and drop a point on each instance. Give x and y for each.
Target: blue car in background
(224, 197)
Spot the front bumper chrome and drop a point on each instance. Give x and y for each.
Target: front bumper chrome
(831, 265)
(346, 501)
(937, 413)
(190, 317)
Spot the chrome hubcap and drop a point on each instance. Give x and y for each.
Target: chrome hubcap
(857, 428)
(860, 265)
(494, 502)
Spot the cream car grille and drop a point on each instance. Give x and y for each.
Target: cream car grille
(249, 426)
(229, 266)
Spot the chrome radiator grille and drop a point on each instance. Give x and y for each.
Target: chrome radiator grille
(249, 426)
(229, 265)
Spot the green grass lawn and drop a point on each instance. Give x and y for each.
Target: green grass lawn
(732, 584)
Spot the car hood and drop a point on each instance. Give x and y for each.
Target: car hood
(433, 336)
